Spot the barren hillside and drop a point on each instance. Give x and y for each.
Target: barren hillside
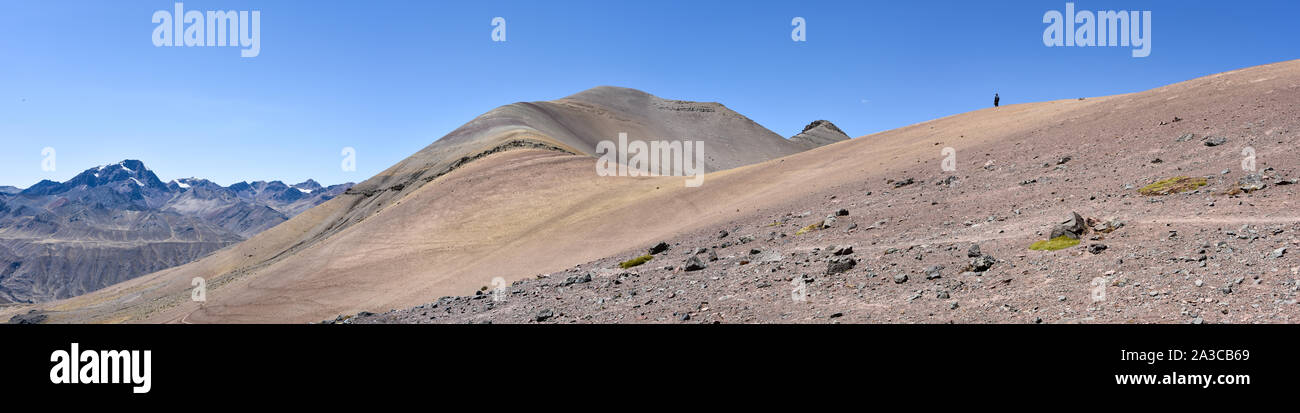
(542, 220)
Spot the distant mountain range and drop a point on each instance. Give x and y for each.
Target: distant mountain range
(115, 222)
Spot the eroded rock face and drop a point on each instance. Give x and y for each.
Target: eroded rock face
(819, 133)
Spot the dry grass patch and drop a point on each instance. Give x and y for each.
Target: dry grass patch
(1058, 243)
(635, 261)
(1172, 186)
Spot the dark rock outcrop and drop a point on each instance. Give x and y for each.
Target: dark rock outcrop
(819, 133)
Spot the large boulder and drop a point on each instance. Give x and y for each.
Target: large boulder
(658, 248)
(838, 265)
(694, 263)
(1072, 227)
(981, 263)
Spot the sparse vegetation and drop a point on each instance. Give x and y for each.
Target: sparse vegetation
(635, 261)
(1061, 242)
(1172, 186)
(809, 228)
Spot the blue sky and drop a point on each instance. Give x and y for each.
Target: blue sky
(390, 77)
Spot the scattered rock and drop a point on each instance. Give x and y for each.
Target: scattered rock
(840, 264)
(900, 278)
(1213, 141)
(974, 251)
(1277, 253)
(577, 279)
(30, 317)
(841, 250)
(1072, 227)
(1097, 248)
(1250, 183)
(1108, 226)
(981, 263)
(544, 315)
(694, 264)
(828, 222)
(658, 248)
(842, 212)
(933, 272)
(903, 182)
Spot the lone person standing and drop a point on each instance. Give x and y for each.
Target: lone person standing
(995, 100)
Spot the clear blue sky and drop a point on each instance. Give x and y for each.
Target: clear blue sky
(389, 77)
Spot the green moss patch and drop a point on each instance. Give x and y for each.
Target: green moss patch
(1058, 243)
(1172, 186)
(635, 261)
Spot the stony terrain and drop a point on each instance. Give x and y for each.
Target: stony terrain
(762, 273)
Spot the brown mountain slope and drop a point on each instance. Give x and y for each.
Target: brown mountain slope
(1210, 255)
(573, 125)
(521, 213)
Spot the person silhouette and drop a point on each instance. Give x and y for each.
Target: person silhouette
(995, 100)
